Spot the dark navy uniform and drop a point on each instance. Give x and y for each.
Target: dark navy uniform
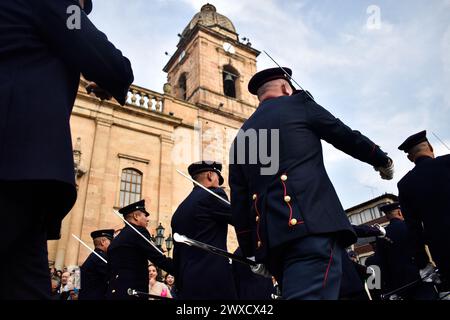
(40, 64)
(250, 286)
(398, 259)
(398, 256)
(94, 271)
(201, 216)
(94, 277)
(128, 257)
(425, 202)
(354, 274)
(286, 210)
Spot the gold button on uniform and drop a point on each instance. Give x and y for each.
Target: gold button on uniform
(257, 219)
(255, 196)
(117, 276)
(283, 177)
(114, 291)
(293, 222)
(259, 244)
(287, 199)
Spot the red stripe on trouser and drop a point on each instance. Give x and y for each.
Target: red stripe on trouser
(328, 268)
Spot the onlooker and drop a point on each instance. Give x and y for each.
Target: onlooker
(59, 274)
(64, 290)
(154, 286)
(55, 289)
(169, 280)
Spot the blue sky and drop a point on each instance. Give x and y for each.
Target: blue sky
(387, 82)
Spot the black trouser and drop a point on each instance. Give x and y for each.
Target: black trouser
(24, 272)
(309, 268)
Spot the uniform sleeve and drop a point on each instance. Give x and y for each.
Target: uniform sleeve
(85, 48)
(415, 230)
(364, 231)
(152, 254)
(217, 209)
(240, 209)
(352, 142)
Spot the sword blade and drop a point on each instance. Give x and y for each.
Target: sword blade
(203, 187)
(89, 248)
(207, 247)
(287, 74)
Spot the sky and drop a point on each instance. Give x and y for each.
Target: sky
(382, 67)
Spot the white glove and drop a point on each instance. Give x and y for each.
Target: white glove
(381, 229)
(260, 269)
(386, 173)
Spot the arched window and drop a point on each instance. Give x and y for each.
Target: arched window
(182, 87)
(230, 76)
(130, 186)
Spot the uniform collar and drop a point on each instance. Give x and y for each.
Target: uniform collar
(197, 187)
(422, 158)
(98, 250)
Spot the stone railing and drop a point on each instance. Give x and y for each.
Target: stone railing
(145, 99)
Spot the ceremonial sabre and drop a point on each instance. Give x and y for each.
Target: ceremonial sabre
(84, 244)
(409, 285)
(287, 74)
(194, 243)
(135, 293)
(129, 224)
(443, 143)
(203, 187)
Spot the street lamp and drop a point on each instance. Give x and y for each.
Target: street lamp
(159, 235)
(169, 243)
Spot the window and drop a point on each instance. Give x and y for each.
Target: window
(356, 219)
(230, 76)
(182, 87)
(130, 186)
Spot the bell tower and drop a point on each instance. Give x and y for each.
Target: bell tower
(211, 68)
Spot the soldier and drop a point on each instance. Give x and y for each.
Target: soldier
(425, 202)
(94, 271)
(40, 65)
(203, 217)
(293, 220)
(129, 253)
(397, 255)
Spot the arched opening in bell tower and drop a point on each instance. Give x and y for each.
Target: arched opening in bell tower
(230, 81)
(182, 89)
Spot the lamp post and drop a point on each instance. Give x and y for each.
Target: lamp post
(169, 244)
(159, 236)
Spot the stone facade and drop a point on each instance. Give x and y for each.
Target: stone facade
(155, 134)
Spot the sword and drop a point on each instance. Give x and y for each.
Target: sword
(135, 293)
(194, 243)
(408, 285)
(89, 248)
(287, 75)
(203, 187)
(443, 143)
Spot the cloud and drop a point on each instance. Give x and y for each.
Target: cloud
(388, 83)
